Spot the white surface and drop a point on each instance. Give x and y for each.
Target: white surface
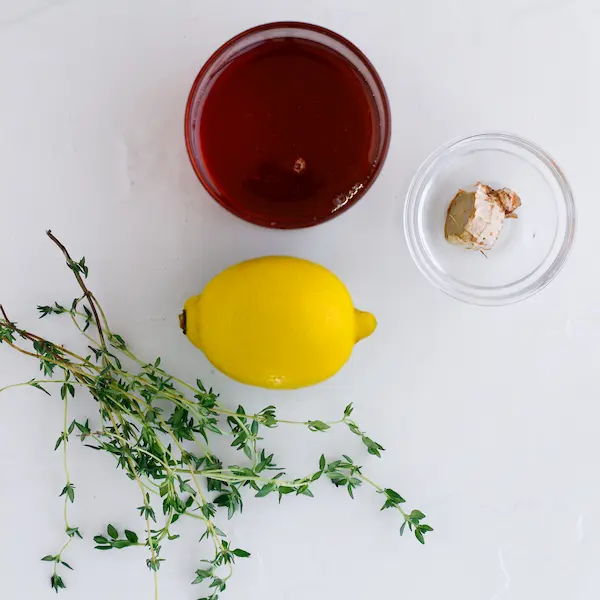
(91, 145)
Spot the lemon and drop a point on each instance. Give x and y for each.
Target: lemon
(276, 322)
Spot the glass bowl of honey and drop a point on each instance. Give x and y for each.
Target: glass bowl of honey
(287, 125)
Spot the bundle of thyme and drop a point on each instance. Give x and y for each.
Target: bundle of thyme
(149, 422)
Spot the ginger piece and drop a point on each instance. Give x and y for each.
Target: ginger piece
(475, 219)
(508, 199)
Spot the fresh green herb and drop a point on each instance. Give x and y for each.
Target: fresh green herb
(146, 416)
(115, 541)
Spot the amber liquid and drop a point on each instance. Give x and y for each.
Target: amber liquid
(289, 133)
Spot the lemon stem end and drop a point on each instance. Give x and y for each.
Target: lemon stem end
(365, 324)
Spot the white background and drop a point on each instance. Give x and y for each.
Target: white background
(490, 417)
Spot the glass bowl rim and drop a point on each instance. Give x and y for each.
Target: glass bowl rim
(383, 114)
(470, 294)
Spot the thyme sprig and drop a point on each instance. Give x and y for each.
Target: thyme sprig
(158, 429)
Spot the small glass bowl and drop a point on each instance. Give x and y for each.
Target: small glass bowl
(245, 41)
(531, 249)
